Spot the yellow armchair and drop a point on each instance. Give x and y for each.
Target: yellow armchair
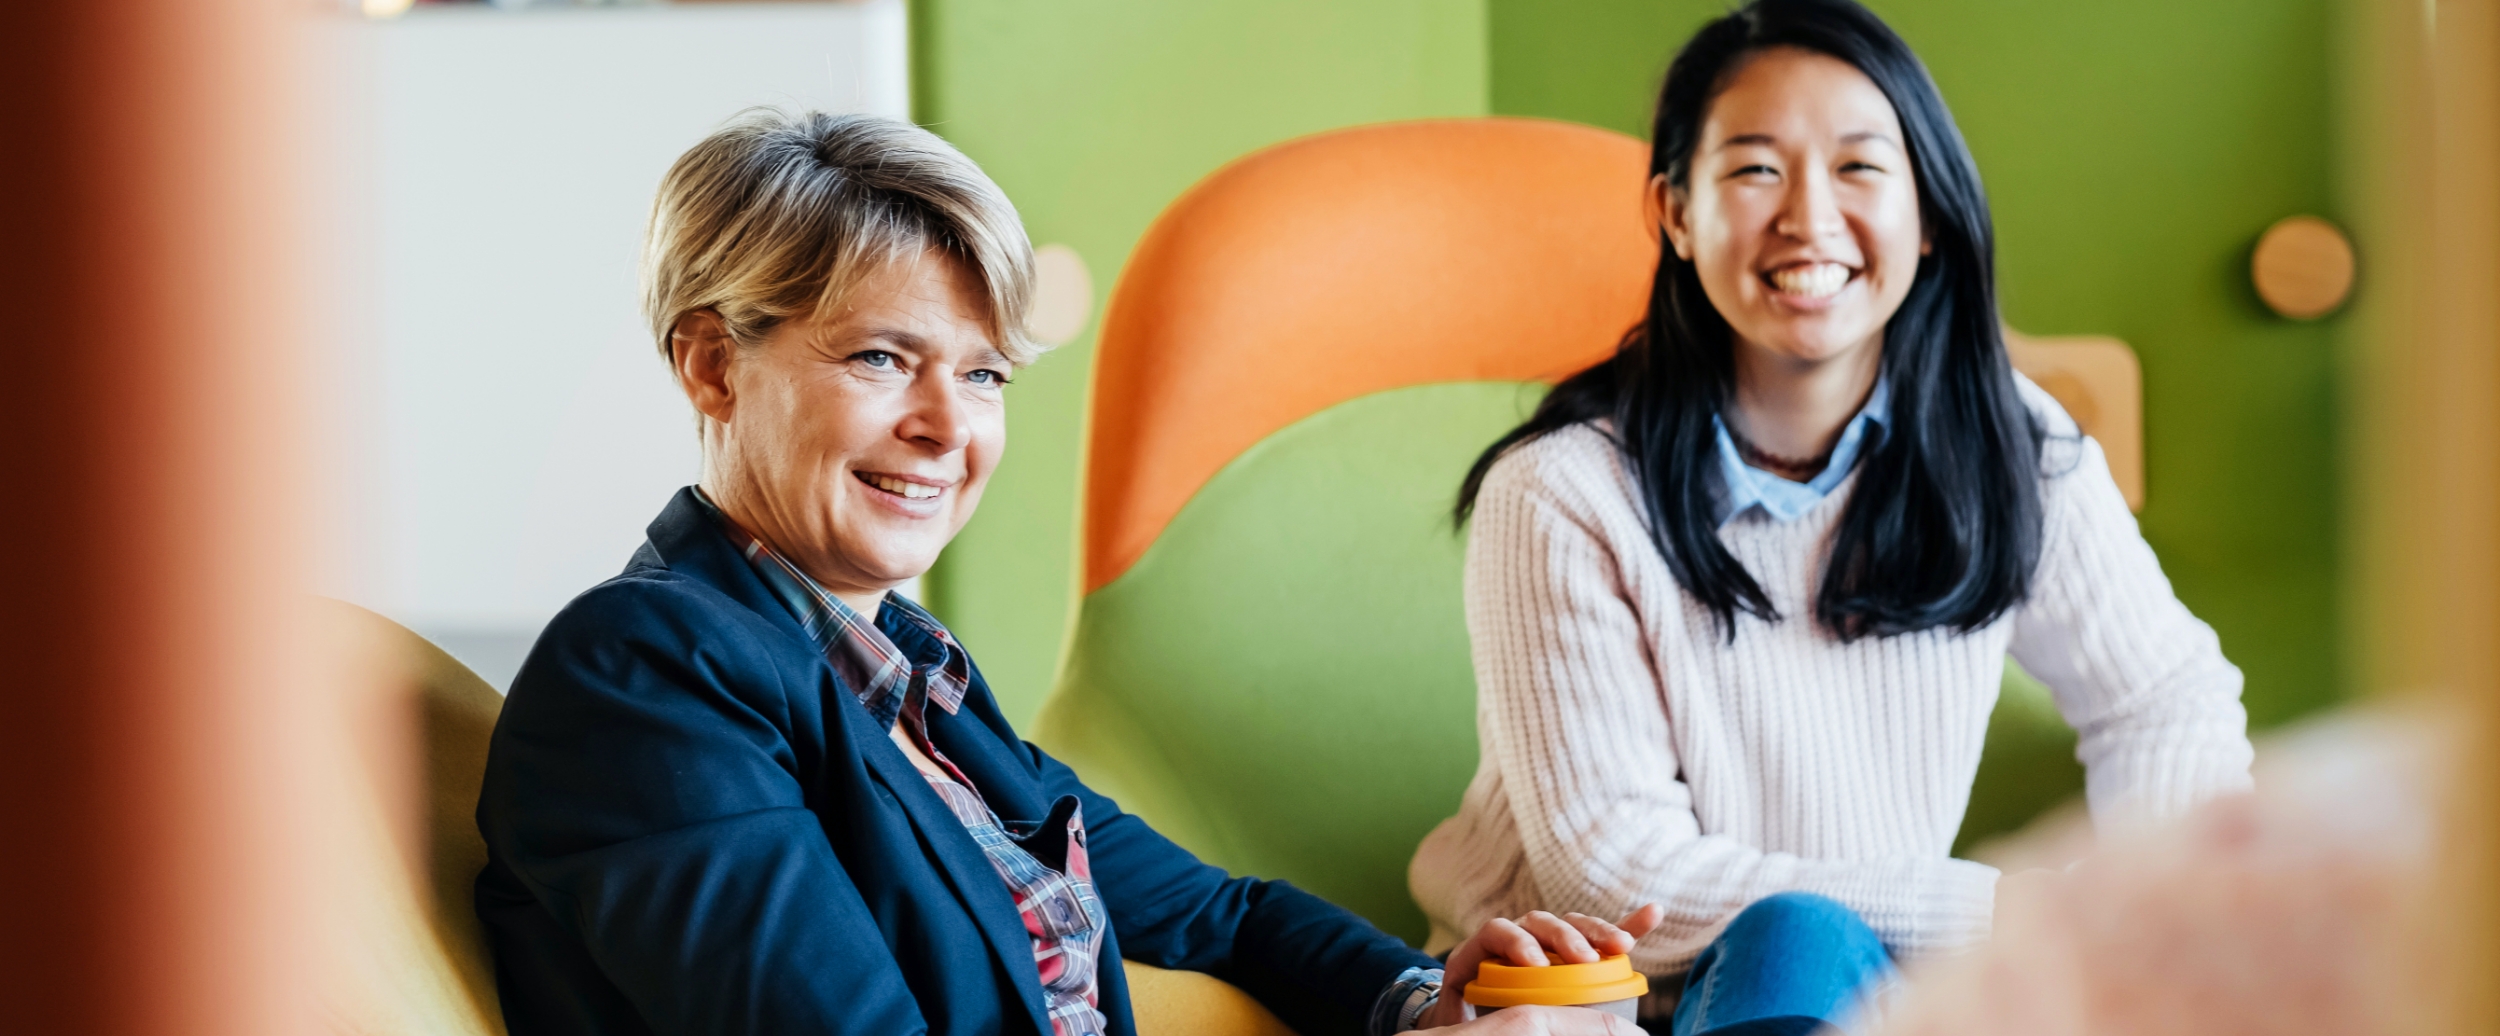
(413, 960)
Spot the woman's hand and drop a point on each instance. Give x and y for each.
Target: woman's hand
(1535, 941)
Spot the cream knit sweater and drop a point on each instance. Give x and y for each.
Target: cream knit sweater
(1630, 754)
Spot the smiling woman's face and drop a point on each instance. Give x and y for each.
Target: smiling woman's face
(855, 443)
(1799, 211)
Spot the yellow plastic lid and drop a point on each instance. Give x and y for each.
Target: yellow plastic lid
(1556, 985)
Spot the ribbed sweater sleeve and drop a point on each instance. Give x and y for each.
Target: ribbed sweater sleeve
(1572, 714)
(2155, 705)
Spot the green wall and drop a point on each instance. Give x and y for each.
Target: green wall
(1592, 61)
(2133, 150)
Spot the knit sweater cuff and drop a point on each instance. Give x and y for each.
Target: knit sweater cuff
(1955, 912)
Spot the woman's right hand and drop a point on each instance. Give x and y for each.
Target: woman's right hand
(1538, 939)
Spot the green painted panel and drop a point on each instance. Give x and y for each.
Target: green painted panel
(2134, 150)
(1594, 61)
(1094, 115)
(1282, 683)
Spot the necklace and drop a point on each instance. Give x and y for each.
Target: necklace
(1790, 468)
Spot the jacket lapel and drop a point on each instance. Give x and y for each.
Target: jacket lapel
(1006, 780)
(687, 542)
(690, 545)
(966, 867)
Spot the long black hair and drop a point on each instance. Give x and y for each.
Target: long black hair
(1943, 528)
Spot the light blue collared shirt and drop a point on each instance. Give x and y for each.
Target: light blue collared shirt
(1749, 487)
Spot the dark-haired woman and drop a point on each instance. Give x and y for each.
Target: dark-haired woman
(1741, 595)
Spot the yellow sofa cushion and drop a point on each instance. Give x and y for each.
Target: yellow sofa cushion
(1187, 1003)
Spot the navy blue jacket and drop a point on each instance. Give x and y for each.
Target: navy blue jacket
(694, 827)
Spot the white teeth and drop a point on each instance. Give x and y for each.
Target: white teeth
(907, 490)
(1816, 281)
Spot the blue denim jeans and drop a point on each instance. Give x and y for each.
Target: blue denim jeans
(1791, 963)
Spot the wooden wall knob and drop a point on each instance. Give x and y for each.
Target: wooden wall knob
(2303, 267)
(1063, 295)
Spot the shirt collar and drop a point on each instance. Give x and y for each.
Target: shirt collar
(881, 675)
(1746, 487)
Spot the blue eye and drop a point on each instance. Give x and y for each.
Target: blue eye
(877, 358)
(987, 377)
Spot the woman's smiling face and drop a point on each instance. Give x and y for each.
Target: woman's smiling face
(857, 443)
(1799, 210)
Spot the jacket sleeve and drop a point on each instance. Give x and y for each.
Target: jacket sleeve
(654, 810)
(1317, 965)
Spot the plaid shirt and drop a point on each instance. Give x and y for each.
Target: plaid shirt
(1061, 910)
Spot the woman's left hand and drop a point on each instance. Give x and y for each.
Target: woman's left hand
(1534, 941)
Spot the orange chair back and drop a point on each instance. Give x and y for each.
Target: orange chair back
(1346, 263)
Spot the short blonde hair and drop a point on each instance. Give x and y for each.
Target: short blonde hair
(779, 215)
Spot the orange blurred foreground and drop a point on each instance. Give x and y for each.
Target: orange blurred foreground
(2299, 909)
(154, 733)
